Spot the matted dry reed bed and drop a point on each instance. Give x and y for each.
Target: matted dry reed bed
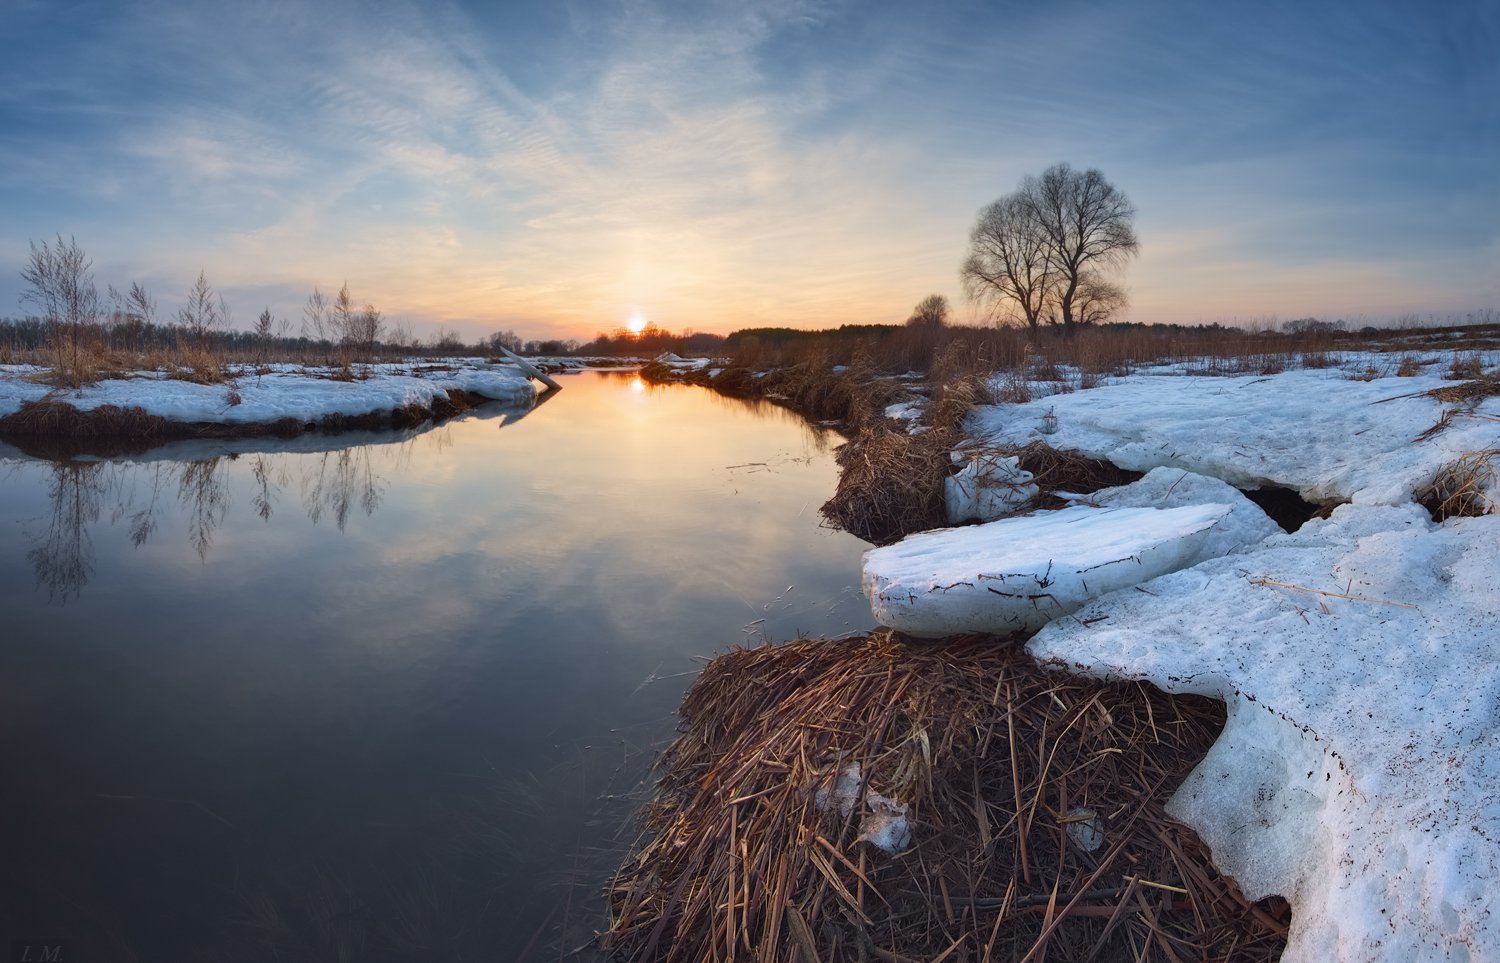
(994, 756)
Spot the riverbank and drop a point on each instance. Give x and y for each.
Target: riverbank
(278, 400)
(1352, 646)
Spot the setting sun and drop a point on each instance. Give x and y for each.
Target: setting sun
(637, 322)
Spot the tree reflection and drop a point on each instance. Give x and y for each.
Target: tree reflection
(202, 491)
(342, 480)
(337, 483)
(64, 555)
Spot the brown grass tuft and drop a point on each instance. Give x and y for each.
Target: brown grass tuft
(1409, 367)
(1464, 488)
(890, 484)
(994, 757)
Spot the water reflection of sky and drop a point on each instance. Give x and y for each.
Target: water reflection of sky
(404, 676)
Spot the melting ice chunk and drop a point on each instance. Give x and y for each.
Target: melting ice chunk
(1020, 573)
(986, 488)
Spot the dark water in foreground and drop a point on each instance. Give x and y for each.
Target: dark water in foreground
(384, 701)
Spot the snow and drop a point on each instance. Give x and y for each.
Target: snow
(987, 487)
(1245, 524)
(1330, 438)
(882, 824)
(904, 411)
(283, 393)
(1359, 772)
(1359, 775)
(1018, 573)
(683, 364)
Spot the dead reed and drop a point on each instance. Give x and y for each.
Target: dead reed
(1034, 801)
(1464, 488)
(1059, 470)
(48, 416)
(890, 483)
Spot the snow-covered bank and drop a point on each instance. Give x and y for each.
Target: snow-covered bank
(280, 395)
(1359, 774)
(1328, 437)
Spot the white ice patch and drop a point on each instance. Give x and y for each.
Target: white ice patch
(885, 824)
(1359, 773)
(882, 824)
(1315, 431)
(1019, 573)
(989, 486)
(904, 411)
(844, 793)
(1245, 524)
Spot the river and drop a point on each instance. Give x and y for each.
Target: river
(381, 696)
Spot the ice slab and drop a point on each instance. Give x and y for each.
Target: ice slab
(1245, 524)
(987, 487)
(1019, 573)
(1359, 774)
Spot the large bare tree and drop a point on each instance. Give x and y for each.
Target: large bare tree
(1045, 252)
(1007, 266)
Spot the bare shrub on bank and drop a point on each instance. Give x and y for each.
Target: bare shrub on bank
(60, 282)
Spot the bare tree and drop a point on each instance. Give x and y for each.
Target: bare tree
(1047, 249)
(507, 339)
(129, 314)
(368, 325)
(203, 312)
(1008, 266)
(342, 314)
(140, 307)
(60, 282)
(315, 317)
(1097, 300)
(930, 312)
(355, 329)
(1088, 226)
(263, 325)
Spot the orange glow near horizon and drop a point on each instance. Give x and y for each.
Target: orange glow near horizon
(637, 322)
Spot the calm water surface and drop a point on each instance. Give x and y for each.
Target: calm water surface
(380, 696)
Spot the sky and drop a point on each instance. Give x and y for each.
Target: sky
(557, 167)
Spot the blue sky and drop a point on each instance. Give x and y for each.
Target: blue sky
(556, 167)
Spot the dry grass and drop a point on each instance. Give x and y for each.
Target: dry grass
(994, 758)
(125, 429)
(1056, 470)
(890, 484)
(1464, 488)
(197, 364)
(49, 416)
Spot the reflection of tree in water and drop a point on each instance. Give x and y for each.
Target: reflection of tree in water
(202, 490)
(64, 556)
(264, 497)
(342, 480)
(143, 520)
